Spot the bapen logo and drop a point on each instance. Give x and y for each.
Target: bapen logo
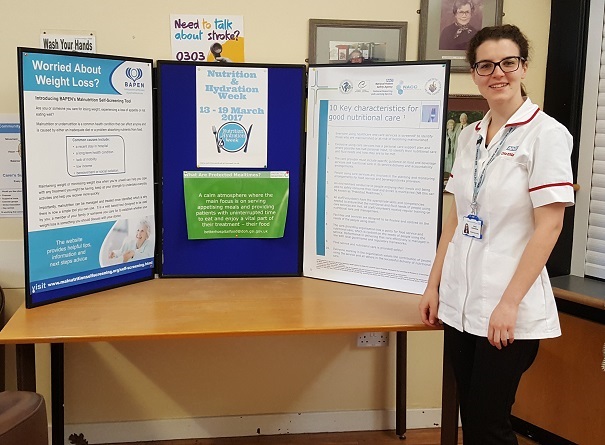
(134, 74)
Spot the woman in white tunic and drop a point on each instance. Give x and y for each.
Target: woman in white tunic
(511, 182)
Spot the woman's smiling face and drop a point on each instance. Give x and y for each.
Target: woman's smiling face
(499, 86)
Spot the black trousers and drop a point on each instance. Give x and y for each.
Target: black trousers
(487, 380)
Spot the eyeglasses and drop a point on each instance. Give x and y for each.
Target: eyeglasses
(508, 65)
(463, 12)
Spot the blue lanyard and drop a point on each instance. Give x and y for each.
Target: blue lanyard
(478, 180)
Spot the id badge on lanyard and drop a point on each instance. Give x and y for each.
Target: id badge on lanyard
(472, 225)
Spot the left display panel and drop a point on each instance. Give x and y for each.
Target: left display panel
(88, 183)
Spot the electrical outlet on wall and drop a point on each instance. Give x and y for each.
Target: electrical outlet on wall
(372, 339)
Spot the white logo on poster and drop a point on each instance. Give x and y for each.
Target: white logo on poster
(433, 86)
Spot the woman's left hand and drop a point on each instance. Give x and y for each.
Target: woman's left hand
(501, 330)
(548, 222)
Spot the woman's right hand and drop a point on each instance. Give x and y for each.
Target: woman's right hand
(429, 303)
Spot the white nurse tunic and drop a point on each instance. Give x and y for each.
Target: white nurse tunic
(532, 170)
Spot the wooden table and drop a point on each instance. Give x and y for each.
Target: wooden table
(213, 307)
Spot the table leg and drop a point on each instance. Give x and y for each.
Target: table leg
(401, 384)
(449, 405)
(26, 367)
(57, 392)
(2, 368)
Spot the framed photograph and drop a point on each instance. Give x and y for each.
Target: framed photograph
(356, 41)
(462, 110)
(446, 26)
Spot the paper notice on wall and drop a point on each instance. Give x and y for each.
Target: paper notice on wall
(207, 38)
(60, 41)
(10, 167)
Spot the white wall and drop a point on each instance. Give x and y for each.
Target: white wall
(230, 376)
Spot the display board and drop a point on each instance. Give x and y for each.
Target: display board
(231, 153)
(374, 172)
(87, 134)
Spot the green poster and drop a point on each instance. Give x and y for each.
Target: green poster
(236, 204)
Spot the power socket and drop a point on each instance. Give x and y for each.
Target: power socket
(372, 339)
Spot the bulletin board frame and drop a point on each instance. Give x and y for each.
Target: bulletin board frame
(230, 257)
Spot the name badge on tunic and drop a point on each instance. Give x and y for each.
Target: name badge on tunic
(472, 226)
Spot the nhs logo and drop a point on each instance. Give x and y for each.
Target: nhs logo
(510, 150)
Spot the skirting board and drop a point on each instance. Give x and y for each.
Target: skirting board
(239, 426)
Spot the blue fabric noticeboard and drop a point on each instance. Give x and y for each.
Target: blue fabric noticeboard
(181, 257)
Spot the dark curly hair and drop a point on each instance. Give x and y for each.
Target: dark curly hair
(509, 32)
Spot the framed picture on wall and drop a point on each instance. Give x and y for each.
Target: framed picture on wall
(356, 41)
(446, 27)
(462, 110)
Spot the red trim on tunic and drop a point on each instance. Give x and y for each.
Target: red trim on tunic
(556, 184)
(513, 124)
(525, 122)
